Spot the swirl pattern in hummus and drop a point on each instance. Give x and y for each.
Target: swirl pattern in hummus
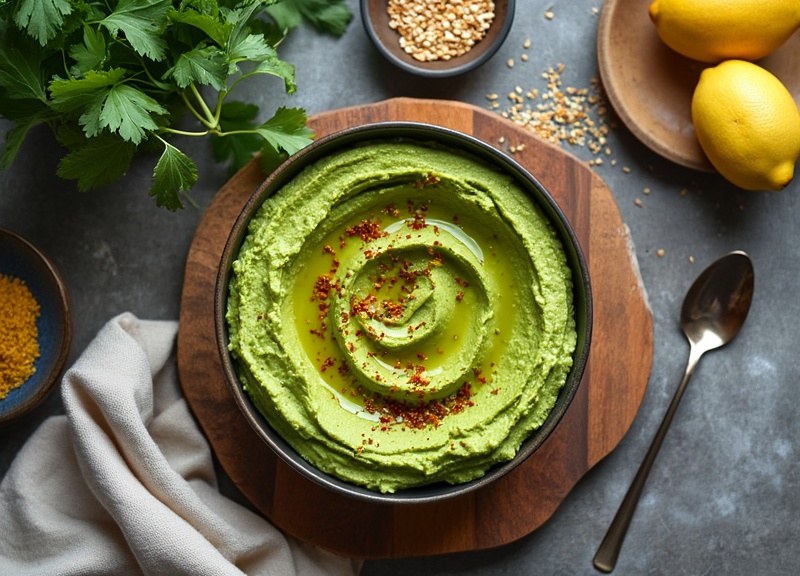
(402, 314)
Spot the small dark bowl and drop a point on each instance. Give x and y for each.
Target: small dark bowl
(21, 259)
(427, 133)
(375, 16)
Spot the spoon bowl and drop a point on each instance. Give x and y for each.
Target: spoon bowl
(717, 303)
(713, 312)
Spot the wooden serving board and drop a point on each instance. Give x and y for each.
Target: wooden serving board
(601, 413)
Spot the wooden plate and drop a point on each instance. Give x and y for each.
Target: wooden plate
(599, 416)
(650, 86)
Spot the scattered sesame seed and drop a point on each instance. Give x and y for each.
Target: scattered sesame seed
(510, 63)
(626, 170)
(691, 259)
(549, 14)
(638, 202)
(646, 190)
(684, 191)
(562, 114)
(524, 57)
(660, 253)
(527, 43)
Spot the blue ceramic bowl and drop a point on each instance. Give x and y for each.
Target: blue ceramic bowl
(21, 259)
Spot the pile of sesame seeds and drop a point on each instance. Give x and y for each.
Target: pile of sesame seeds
(559, 114)
(440, 30)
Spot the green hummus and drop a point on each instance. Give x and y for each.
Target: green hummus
(402, 314)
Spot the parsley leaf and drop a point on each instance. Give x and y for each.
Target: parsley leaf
(100, 161)
(331, 16)
(90, 54)
(74, 95)
(173, 173)
(19, 74)
(16, 136)
(286, 130)
(142, 22)
(125, 109)
(205, 66)
(215, 29)
(42, 19)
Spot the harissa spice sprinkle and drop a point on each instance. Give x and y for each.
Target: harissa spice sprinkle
(19, 346)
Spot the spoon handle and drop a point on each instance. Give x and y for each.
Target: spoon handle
(606, 556)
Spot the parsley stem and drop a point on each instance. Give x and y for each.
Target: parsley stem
(203, 106)
(181, 132)
(194, 112)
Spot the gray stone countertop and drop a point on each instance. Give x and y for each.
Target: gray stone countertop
(723, 495)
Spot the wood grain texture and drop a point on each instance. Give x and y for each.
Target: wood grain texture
(601, 413)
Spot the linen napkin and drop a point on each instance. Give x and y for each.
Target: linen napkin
(123, 483)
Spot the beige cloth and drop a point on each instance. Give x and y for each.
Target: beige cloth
(124, 482)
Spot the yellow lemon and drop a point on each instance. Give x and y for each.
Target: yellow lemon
(748, 125)
(716, 30)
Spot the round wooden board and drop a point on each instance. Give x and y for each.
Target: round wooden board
(601, 413)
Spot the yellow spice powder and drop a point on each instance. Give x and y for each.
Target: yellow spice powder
(19, 345)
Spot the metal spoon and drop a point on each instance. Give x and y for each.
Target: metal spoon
(713, 311)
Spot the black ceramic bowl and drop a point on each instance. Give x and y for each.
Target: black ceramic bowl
(459, 141)
(21, 259)
(375, 17)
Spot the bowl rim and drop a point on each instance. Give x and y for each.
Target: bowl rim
(444, 72)
(64, 308)
(414, 131)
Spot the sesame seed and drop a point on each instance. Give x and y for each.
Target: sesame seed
(440, 30)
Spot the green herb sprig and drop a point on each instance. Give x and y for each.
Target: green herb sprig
(114, 78)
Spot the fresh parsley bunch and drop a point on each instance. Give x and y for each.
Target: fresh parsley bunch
(115, 77)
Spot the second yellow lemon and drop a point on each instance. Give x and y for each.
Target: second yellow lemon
(716, 30)
(748, 124)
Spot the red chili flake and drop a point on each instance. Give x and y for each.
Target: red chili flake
(351, 346)
(366, 230)
(462, 283)
(327, 364)
(459, 297)
(392, 309)
(422, 356)
(392, 210)
(429, 180)
(417, 379)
